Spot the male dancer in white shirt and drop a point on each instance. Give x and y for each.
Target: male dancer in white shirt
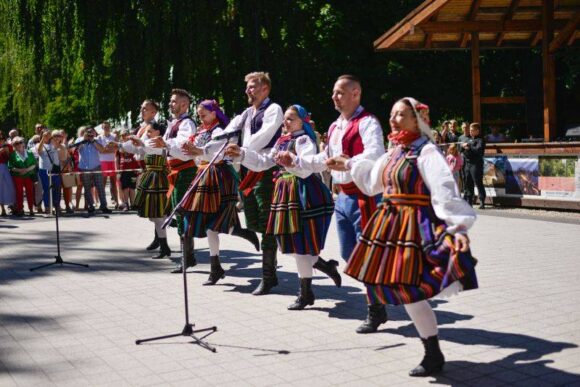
(358, 134)
(182, 166)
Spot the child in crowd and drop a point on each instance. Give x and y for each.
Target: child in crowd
(455, 161)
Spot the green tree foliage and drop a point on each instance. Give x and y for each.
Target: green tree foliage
(69, 62)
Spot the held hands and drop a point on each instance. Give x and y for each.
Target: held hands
(461, 242)
(158, 142)
(338, 163)
(233, 150)
(285, 159)
(191, 150)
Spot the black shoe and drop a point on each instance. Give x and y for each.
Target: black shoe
(269, 279)
(91, 210)
(154, 245)
(482, 206)
(329, 268)
(377, 316)
(433, 360)
(217, 272)
(165, 251)
(105, 210)
(248, 235)
(305, 296)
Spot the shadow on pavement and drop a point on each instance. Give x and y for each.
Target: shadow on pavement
(523, 365)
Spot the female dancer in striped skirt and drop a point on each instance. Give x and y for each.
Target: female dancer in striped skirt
(211, 206)
(415, 246)
(302, 205)
(151, 193)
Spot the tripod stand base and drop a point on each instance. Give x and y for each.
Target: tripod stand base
(187, 331)
(58, 261)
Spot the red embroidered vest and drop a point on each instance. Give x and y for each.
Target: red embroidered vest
(351, 140)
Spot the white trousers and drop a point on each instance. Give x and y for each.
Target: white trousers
(304, 264)
(423, 317)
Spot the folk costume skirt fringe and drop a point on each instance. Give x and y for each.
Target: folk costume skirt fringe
(151, 194)
(300, 214)
(405, 254)
(212, 204)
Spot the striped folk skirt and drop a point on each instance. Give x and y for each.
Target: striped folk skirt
(213, 202)
(405, 254)
(151, 194)
(300, 214)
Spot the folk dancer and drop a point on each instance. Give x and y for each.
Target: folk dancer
(260, 126)
(415, 246)
(358, 134)
(182, 166)
(151, 195)
(211, 206)
(302, 205)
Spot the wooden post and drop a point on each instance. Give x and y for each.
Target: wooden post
(549, 70)
(475, 78)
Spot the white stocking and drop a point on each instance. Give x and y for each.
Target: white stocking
(304, 264)
(213, 240)
(423, 317)
(161, 232)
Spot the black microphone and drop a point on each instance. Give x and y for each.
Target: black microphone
(227, 135)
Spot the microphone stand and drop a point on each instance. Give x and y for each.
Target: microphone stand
(58, 258)
(188, 328)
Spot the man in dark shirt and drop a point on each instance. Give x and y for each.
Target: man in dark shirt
(473, 150)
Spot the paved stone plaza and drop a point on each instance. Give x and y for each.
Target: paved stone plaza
(76, 326)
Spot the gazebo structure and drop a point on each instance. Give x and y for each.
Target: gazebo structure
(494, 24)
(498, 24)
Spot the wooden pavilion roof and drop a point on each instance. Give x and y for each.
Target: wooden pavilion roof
(447, 24)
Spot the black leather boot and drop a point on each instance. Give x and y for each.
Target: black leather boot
(217, 272)
(155, 244)
(329, 268)
(269, 279)
(305, 296)
(248, 235)
(433, 360)
(377, 316)
(187, 251)
(165, 251)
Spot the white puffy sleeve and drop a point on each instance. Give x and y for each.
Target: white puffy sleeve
(256, 161)
(128, 146)
(445, 197)
(304, 147)
(368, 174)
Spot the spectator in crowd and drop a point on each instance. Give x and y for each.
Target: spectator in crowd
(436, 136)
(22, 166)
(38, 130)
(473, 151)
(12, 135)
(74, 151)
(455, 161)
(7, 195)
(107, 158)
(50, 151)
(451, 134)
(464, 129)
(90, 166)
(67, 166)
(495, 135)
(128, 179)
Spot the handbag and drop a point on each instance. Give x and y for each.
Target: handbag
(69, 180)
